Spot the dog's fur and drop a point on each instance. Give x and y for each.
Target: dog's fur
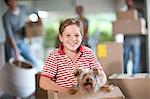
(89, 80)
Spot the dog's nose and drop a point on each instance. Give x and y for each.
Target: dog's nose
(87, 80)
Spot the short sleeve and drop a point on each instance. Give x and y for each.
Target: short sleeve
(7, 26)
(93, 61)
(50, 67)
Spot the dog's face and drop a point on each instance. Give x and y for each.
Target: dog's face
(88, 79)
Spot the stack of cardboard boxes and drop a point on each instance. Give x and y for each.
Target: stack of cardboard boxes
(133, 86)
(128, 23)
(110, 56)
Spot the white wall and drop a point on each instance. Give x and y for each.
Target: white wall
(97, 6)
(91, 6)
(54, 5)
(2, 10)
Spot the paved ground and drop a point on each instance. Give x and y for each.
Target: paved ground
(6, 96)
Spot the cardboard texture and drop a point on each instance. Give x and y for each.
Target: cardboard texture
(114, 94)
(111, 62)
(129, 27)
(133, 86)
(123, 15)
(33, 29)
(40, 93)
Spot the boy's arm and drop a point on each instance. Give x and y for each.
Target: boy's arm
(103, 78)
(49, 85)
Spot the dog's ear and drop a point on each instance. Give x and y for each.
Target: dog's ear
(77, 72)
(96, 71)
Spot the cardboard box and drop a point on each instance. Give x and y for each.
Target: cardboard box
(133, 86)
(114, 94)
(110, 56)
(40, 93)
(130, 14)
(129, 27)
(33, 29)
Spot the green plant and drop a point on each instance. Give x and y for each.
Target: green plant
(49, 37)
(105, 37)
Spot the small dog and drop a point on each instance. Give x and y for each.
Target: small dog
(89, 80)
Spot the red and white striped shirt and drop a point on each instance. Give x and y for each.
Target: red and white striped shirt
(60, 68)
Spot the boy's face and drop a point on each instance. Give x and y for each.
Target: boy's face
(71, 38)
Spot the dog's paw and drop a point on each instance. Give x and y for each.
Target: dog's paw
(72, 91)
(107, 88)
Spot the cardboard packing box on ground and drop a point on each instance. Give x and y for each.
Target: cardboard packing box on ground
(129, 27)
(40, 93)
(33, 29)
(114, 94)
(135, 86)
(110, 56)
(123, 15)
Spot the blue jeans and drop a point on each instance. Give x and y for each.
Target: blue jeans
(24, 51)
(132, 44)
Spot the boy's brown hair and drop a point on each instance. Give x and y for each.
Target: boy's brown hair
(68, 22)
